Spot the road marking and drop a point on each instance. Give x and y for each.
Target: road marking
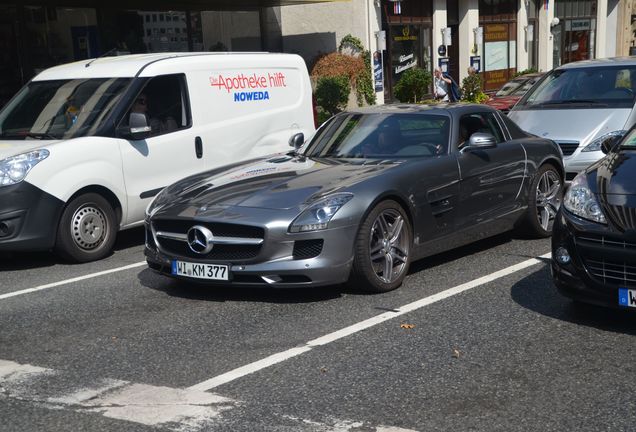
(355, 328)
(164, 408)
(70, 281)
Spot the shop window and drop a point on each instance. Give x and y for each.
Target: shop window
(224, 31)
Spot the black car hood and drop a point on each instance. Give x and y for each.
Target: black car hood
(276, 183)
(613, 180)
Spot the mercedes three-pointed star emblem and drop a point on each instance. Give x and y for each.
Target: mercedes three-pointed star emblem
(200, 239)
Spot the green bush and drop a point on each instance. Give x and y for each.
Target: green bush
(332, 94)
(525, 71)
(413, 85)
(472, 89)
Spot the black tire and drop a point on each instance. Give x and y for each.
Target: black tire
(375, 252)
(544, 198)
(87, 229)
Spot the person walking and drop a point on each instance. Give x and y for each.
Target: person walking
(441, 85)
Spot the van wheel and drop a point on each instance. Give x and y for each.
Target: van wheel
(544, 199)
(382, 249)
(87, 229)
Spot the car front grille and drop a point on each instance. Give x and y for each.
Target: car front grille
(568, 147)
(610, 260)
(624, 217)
(246, 240)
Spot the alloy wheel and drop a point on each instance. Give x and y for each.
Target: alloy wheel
(548, 198)
(389, 246)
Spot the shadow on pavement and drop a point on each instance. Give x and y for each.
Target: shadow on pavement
(537, 293)
(14, 261)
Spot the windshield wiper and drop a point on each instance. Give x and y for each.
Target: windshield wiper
(35, 135)
(587, 102)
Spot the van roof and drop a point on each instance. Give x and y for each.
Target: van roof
(611, 61)
(131, 65)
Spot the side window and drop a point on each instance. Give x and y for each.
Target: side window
(478, 122)
(164, 101)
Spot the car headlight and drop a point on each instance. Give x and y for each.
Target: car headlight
(318, 214)
(580, 200)
(595, 145)
(14, 169)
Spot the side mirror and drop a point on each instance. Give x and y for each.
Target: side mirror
(608, 144)
(297, 140)
(138, 127)
(480, 140)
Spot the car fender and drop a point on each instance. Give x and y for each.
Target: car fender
(79, 163)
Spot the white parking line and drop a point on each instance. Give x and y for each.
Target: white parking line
(70, 281)
(355, 328)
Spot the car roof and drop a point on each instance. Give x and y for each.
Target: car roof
(438, 109)
(130, 65)
(612, 61)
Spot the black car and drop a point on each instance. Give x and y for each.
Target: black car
(372, 191)
(594, 237)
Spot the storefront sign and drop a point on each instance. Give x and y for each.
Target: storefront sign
(378, 76)
(405, 36)
(577, 25)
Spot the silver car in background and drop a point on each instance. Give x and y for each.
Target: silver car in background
(579, 106)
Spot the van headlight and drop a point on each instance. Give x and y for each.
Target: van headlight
(318, 214)
(580, 200)
(595, 145)
(15, 169)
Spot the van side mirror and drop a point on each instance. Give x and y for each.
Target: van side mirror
(481, 140)
(297, 140)
(138, 127)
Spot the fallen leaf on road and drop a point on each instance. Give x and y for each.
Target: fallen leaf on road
(456, 353)
(407, 326)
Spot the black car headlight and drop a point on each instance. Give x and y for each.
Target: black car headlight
(319, 213)
(580, 200)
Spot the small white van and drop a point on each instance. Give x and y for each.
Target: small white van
(85, 146)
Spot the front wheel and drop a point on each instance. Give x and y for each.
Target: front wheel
(382, 249)
(544, 199)
(87, 229)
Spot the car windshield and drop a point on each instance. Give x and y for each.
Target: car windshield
(385, 135)
(60, 109)
(522, 89)
(589, 87)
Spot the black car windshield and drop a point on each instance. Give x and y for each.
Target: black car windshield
(60, 109)
(381, 135)
(588, 87)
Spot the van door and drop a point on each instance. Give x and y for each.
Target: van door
(171, 151)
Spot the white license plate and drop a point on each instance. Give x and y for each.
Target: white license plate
(200, 271)
(626, 297)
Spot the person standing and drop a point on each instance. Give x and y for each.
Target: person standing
(441, 85)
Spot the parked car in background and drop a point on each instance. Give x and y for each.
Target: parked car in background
(579, 105)
(374, 190)
(594, 239)
(508, 95)
(84, 147)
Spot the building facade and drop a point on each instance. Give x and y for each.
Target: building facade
(499, 37)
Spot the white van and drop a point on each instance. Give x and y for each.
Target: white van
(85, 146)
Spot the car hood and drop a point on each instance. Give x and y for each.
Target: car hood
(613, 179)
(580, 125)
(13, 148)
(282, 182)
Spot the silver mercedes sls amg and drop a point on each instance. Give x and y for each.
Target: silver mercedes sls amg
(372, 191)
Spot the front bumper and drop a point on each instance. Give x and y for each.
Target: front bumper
(277, 264)
(579, 161)
(598, 261)
(28, 218)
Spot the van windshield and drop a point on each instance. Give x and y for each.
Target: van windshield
(588, 87)
(60, 109)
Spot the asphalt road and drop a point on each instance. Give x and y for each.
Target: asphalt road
(475, 340)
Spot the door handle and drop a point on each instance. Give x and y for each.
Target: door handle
(198, 147)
